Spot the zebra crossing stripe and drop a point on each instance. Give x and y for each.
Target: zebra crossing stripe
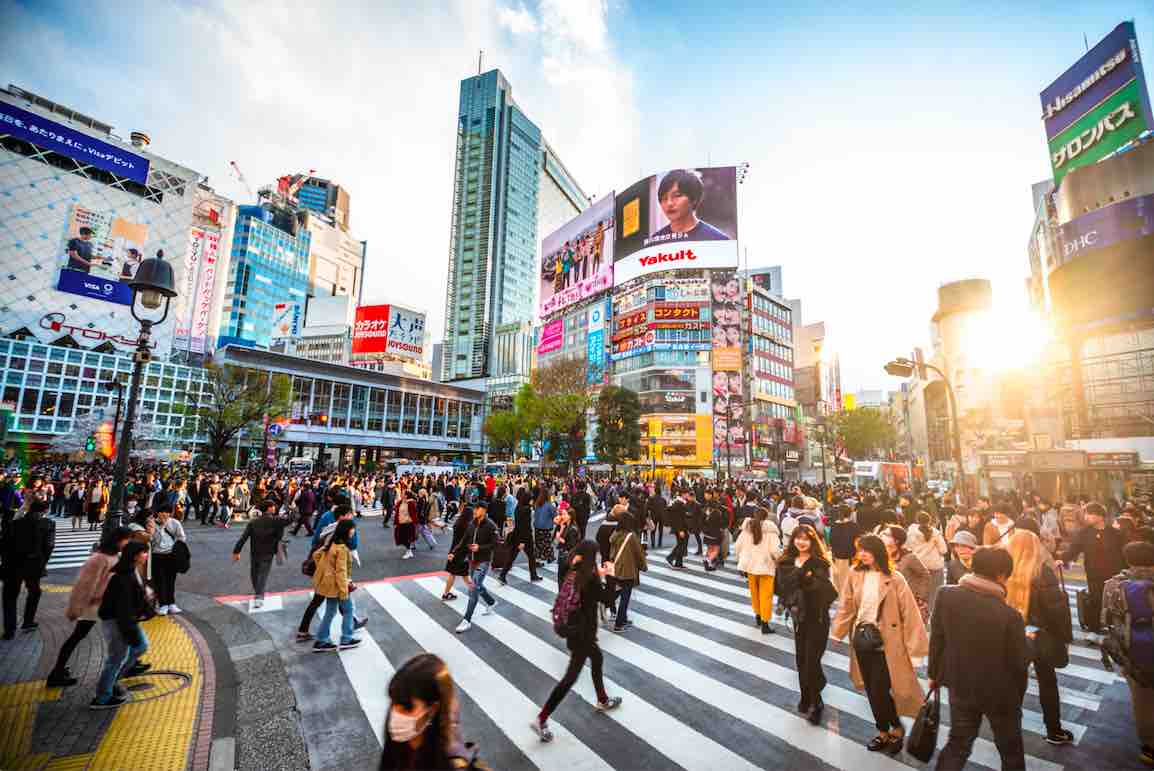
(369, 673)
(829, 747)
(485, 686)
(649, 723)
(843, 699)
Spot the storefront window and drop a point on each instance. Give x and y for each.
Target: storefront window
(452, 413)
(438, 417)
(409, 419)
(322, 400)
(424, 414)
(339, 417)
(376, 410)
(359, 405)
(393, 416)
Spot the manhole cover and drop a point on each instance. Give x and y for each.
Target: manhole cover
(156, 684)
(139, 687)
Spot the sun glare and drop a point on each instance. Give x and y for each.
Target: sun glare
(1005, 339)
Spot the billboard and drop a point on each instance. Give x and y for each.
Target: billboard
(728, 394)
(58, 138)
(205, 289)
(682, 440)
(371, 329)
(389, 329)
(286, 320)
(100, 255)
(552, 335)
(1097, 105)
(577, 259)
(406, 333)
(1128, 219)
(595, 369)
(685, 218)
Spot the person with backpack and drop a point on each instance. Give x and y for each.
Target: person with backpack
(479, 542)
(1127, 615)
(1034, 592)
(566, 538)
(575, 619)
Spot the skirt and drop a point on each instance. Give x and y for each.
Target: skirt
(405, 535)
(543, 545)
(457, 567)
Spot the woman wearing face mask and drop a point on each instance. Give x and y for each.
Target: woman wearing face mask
(806, 589)
(421, 730)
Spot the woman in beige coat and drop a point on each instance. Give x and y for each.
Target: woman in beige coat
(876, 594)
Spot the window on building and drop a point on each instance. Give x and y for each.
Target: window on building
(409, 418)
(376, 410)
(393, 415)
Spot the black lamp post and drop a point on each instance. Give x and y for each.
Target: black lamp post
(902, 367)
(115, 385)
(153, 286)
(653, 458)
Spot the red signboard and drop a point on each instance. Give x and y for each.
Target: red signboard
(631, 320)
(675, 311)
(371, 330)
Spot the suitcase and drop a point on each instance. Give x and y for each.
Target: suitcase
(1088, 611)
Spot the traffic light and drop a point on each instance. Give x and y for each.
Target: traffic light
(322, 418)
(90, 445)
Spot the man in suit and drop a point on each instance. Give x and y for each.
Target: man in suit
(974, 631)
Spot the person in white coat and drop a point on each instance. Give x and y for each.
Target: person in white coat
(758, 549)
(927, 543)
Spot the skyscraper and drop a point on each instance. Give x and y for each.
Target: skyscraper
(509, 186)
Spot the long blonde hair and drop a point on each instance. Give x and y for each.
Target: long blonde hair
(1026, 550)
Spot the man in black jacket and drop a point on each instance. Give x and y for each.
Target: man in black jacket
(480, 539)
(695, 516)
(677, 516)
(27, 544)
(978, 651)
(521, 539)
(266, 533)
(1102, 547)
(582, 504)
(656, 509)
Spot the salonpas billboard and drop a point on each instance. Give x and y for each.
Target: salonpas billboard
(1098, 105)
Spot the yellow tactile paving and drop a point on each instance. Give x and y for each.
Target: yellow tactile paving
(70, 763)
(156, 734)
(56, 588)
(17, 714)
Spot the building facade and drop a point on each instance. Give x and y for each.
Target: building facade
(508, 187)
(774, 433)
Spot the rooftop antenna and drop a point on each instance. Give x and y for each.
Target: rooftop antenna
(480, 58)
(1085, 41)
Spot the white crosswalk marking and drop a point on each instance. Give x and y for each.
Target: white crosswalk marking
(694, 672)
(508, 706)
(72, 547)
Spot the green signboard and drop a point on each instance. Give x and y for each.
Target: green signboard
(1118, 119)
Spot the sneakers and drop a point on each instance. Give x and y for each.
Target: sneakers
(162, 610)
(359, 623)
(542, 730)
(257, 603)
(613, 702)
(408, 555)
(353, 643)
(766, 628)
(113, 702)
(173, 610)
(303, 637)
(324, 647)
(488, 609)
(1061, 736)
(465, 626)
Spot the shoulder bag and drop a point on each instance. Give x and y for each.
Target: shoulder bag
(612, 569)
(867, 638)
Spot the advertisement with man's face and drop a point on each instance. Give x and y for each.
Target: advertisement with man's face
(100, 255)
(577, 259)
(682, 219)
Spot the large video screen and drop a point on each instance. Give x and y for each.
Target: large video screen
(681, 219)
(577, 259)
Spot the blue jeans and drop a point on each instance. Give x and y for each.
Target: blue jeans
(122, 655)
(332, 604)
(477, 575)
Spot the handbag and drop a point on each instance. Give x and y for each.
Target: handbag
(611, 571)
(923, 738)
(181, 556)
(867, 638)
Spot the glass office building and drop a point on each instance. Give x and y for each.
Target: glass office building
(508, 188)
(269, 265)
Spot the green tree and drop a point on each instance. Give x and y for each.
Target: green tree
(237, 398)
(558, 406)
(618, 426)
(504, 431)
(865, 433)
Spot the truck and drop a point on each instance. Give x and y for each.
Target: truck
(880, 473)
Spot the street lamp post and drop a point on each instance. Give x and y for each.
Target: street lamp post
(153, 285)
(115, 385)
(653, 458)
(902, 367)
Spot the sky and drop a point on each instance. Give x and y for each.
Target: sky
(891, 147)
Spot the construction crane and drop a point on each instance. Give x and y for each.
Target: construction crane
(295, 187)
(240, 176)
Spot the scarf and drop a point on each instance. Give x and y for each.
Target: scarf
(976, 583)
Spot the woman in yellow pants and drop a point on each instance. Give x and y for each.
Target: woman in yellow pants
(758, 548)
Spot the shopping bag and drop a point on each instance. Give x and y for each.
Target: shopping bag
(923, 738)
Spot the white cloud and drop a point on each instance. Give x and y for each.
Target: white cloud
(517, 20)
(366, 95)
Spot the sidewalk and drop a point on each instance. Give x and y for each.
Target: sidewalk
(168, 724)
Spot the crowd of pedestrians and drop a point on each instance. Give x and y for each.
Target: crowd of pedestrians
(897, 576)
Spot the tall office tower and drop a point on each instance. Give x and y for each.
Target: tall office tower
(509, 187)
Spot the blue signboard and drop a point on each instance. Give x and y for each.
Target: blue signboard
(1129, 219)
(50, 135)
(86, 285)
(1104, 69)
